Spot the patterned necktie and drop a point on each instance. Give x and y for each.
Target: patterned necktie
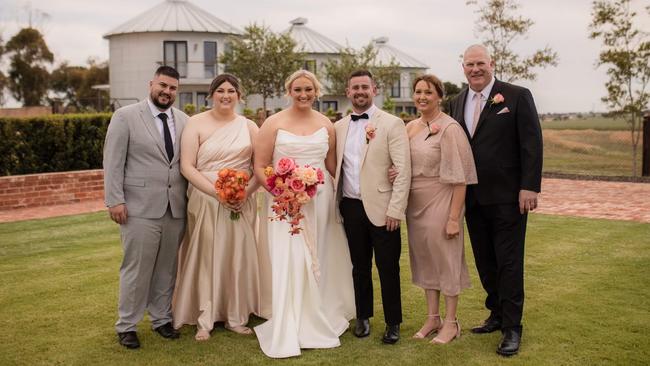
(169, 145)
(477, 112)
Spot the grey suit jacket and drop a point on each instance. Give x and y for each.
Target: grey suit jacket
(137, 170)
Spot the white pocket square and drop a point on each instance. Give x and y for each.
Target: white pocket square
(504, 110)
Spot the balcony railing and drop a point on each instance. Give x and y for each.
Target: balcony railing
(209, 70)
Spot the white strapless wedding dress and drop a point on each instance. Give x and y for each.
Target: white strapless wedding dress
(307, 312)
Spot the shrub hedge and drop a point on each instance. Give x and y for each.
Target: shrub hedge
(54, 143)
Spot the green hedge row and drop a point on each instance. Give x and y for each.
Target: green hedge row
(55, 143)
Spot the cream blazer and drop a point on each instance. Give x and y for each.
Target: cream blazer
(390, 146)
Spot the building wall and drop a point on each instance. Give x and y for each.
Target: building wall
(134, 57)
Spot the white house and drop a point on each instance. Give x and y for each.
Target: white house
(175, 33)
(179, 34)
(401, 91)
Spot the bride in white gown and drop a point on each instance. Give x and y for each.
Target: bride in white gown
(312, 302)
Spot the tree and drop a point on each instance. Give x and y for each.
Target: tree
(500, 26)
(3, 78)
(28, 77)
(451, 91)
(626, 51)
(262, 60)
(75, 84)
(337, 70)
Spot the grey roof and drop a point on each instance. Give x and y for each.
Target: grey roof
(310, 40)
(386, 53)
(175, 16)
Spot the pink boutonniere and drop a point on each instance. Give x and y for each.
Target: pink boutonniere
(434, 128)
(496, 99)
(370, 132)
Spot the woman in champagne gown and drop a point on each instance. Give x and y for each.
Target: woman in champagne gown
(224, 275)
(441, 167)
(313, 296)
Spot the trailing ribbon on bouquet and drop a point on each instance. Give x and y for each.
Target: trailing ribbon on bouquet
(292, 187)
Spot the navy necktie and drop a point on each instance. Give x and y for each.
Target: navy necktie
(356, 117)
(169, 145)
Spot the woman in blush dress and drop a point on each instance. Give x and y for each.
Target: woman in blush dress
(224, 275)
(441, 167)
(310, 310)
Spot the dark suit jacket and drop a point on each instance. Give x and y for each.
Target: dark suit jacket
(507, 147)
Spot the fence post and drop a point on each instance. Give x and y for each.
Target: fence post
(645, 167)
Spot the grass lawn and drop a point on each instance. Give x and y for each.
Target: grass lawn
(587, 303)
(590, 123)
(590, 146)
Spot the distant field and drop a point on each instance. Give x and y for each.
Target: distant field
(593, 123)
(594, 146)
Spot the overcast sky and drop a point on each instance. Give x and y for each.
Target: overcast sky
(433, 31)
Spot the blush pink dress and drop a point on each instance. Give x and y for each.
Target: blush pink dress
(437, 164)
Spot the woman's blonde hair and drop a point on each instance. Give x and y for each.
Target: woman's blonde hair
(303, 74)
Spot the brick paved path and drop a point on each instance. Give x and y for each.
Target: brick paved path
(595, 199)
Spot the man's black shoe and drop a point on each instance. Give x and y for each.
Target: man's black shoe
(129, 339)
(490, 325)
(391, 336)
(167, 331)
(362, 328)
(510, 342)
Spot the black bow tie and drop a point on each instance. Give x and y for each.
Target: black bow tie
(356, 117)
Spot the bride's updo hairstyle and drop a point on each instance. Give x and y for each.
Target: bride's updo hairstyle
(303, 74)
(222, 78)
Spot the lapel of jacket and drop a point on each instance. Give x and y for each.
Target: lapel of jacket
(149, 123)
(179, 129)
(375, 122)
(489, 107)
(340, 143)
(460, 110)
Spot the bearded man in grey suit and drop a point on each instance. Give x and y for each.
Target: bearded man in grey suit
(146, 194)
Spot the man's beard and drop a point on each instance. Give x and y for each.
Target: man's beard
(154, 100)
(367, 102)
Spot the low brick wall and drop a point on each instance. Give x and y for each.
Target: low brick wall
(46, 189)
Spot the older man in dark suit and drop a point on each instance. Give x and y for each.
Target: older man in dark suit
(501, 122)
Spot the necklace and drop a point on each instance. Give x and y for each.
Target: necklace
(427, 124)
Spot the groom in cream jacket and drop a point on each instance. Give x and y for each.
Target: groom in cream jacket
(368, 142)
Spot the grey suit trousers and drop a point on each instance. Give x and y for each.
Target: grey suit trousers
(148, 270)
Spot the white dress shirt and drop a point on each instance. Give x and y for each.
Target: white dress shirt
(159, 123)
(354, 145)
(470, 103)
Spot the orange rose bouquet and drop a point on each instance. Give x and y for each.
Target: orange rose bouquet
(231, 187)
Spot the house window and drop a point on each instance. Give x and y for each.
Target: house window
(176, 56)
(210, 59)
(412, 111)
(310, 65)
(184, 99)
(394, 89)
(201, 100)
(327, 104)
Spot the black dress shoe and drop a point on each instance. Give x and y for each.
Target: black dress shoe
(167, 331)
(509, 345)
(391, 336)
(362, 328)
(490, 325)
(129, 339)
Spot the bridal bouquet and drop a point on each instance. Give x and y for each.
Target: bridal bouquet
(231, 187)
(292, 186)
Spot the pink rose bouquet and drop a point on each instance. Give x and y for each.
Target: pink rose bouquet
(292, 187)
